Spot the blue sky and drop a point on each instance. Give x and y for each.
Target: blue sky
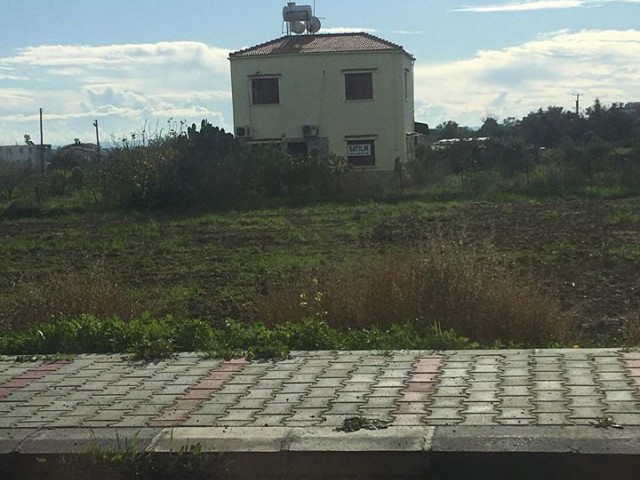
(136, 64)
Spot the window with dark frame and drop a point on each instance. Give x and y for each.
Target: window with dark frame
(358, 86)
(298, 149)
(406, 84)
(361, 153)
(265, 91)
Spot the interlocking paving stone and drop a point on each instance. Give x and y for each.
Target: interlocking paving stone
(515, 402)
(515, 390)
(509, 388)
(619, 396)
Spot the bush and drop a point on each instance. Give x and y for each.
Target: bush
(22, 209)
(444, 284)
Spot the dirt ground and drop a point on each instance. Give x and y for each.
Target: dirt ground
(586, 251)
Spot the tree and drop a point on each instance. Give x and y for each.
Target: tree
(547, 128)
(490, 128)
(449, 129)
(12, 175)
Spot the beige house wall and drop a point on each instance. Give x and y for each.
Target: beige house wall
(312, 92)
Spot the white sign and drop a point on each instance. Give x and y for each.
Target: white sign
(359, 150)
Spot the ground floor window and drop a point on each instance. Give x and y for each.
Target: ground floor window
(298, 149)
(361, 153)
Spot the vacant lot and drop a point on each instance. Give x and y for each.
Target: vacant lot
(214, 266)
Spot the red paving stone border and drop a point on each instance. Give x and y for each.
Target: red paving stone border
(420, 384)
(25, 379)
(195, 395)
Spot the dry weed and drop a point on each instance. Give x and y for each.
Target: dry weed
(68, 294)
(466, 289)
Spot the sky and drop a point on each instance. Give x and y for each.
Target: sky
(155, 65)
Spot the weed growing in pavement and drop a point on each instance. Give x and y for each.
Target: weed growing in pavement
(130, 460)
(59, 357)
(353, 424)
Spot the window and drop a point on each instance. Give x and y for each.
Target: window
(406, 85)
(361, 153)
(298, 149)
(265, 91)
(358, 86)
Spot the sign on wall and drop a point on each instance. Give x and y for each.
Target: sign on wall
(361, 153)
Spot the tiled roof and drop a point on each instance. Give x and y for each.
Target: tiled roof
(321, 43)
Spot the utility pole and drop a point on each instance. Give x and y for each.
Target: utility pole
(41, 145)
(95, 124)
(578, 103)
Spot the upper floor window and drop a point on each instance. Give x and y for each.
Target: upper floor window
(406, 85)
(358, 86)
(265, 91)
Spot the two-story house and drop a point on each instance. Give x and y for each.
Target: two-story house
(350, 94)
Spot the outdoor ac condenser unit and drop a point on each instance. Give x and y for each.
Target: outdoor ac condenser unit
(310, 130)
(243, 132)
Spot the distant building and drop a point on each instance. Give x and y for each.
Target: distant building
(350, 94)
(445, 143)
(77, 153)
(27, 155)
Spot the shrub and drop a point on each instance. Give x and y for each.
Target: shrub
(445, 284)
(22, 209)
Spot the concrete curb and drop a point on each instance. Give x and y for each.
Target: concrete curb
(538, 439)
(395, 452)
(470, 439)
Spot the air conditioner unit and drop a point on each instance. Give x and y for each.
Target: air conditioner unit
(310, 130)
(244, 132)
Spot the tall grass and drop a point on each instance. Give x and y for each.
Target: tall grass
(471, 292)
(70, 294)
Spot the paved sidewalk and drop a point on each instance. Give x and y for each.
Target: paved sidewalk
(517, 401)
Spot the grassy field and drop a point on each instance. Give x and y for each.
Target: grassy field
(578, 262)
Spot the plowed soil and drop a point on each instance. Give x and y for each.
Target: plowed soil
(587, 252)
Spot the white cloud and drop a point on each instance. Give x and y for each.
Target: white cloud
(517, 80)
(530, 5)
(124, 85)
(524, 6)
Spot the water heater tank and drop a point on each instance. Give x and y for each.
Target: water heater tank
(292, 12)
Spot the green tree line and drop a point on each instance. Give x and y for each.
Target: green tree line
(551, 151)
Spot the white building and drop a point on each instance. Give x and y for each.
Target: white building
(27, 155)
(350, 94)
